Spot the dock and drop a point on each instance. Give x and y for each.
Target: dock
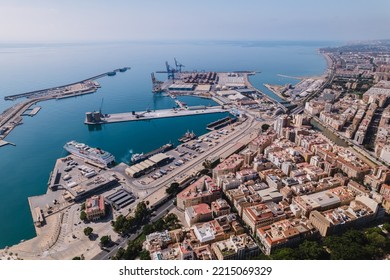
(32, 111)
(35, 111)
(150, 115)
(4, 143)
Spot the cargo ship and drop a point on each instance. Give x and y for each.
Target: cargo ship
(136, 158)
(188, 136)
(94, 154)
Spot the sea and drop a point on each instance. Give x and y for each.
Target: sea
(25, 168)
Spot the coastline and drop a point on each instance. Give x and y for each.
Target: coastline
(275, 87)
(131, 94)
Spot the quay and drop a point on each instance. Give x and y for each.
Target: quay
(91, 119)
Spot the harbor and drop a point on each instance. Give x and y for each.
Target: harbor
(128, 94)
(99, 118)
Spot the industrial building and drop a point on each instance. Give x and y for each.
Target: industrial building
(120, 199)
(147, 165)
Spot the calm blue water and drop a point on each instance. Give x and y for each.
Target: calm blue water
(24, 169)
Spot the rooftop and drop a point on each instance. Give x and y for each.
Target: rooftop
(95, 203)
(202, 187)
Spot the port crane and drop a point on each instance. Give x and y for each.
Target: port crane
(170, 71)
(156, 84)
(178, 66)
(101, 106)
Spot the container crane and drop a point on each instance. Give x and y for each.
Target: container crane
(178, 66)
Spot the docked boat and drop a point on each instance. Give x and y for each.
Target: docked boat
(188, 136)
(113, 73)
(94, 154)
(135, 158)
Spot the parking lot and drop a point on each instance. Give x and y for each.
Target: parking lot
(185, 153)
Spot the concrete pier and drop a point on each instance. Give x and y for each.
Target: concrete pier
(4, 143)
(157, 114)
(89, 84)
(34, 111)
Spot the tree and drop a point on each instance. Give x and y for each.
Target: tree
(148, 229)
(105, 240)
(377, 244)
(349, 246)
(171, 222)
(284, 254)
(82, 207)
(83, 216)
(265, 127)
(311, 250)
(119, 223)
(173, 188)
(88, 231)
(119, 254)
(132, 251)
(386, 226)
(141, 212)
(144, 255)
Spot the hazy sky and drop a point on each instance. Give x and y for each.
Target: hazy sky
(98, 20)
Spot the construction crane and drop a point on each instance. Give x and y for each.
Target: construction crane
(178, 65)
